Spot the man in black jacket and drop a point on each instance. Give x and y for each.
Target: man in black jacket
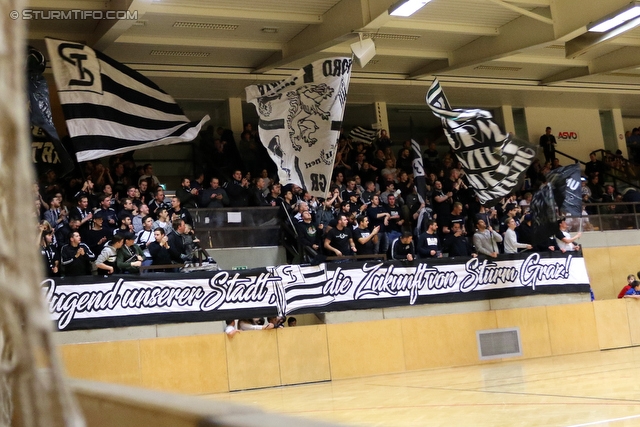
(161, 252)
(76, 257)
(238, 190)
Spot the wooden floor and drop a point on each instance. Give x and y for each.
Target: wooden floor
(589, 389)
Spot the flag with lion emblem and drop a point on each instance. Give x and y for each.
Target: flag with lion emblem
(300, 121)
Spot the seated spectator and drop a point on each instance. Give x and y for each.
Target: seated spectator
(402, 247)
(486, 239)
(130, 255)
(106, 263)
(158, 203)
(511, 244)
(125, 225)
(564, 239)
(215, 196)
(175, 239)
(136, 221)
(630, 280)
(191, 244)
(634, 292)
(457, 244)
(428, 242)
(50, 253)
(253, 325)
(292, 321)
(339, 240)
(364, 239)
(161, 252)
(163, 221)
(76, 257)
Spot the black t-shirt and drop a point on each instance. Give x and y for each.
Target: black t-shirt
(367, 248)
(339, 239)
(393, 223)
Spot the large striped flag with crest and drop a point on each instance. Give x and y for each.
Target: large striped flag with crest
(110, 108)
(494, 162)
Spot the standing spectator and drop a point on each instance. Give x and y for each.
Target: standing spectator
(378, 216)
(238, 190)
(486, 239)
(76, 257)
(215, 196)
(564, 239)
(339, 240)
(428, 242)
(145, 237)
(547, 142)
(188, 196)
(106, 211)
(81, 212)
(511, 244)
(364, 239)
(148, 174)
(457, 244)
(630, 280)
(98, 235)
(309, 237)
(177, 211)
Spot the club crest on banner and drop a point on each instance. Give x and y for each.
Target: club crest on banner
(300, 120)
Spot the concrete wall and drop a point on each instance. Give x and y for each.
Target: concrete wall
(585, 122)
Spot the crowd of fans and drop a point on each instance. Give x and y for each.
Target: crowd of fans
(116, 218)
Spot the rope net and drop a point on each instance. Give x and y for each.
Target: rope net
(32, 388)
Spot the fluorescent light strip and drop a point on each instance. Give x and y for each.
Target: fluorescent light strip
(617, 20)
(407, 8)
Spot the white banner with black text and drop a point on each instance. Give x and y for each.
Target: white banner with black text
(92, 302)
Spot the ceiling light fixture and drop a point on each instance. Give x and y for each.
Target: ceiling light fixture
(622, 16)
(406, 7)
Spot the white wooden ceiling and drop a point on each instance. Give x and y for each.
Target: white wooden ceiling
(485, 52)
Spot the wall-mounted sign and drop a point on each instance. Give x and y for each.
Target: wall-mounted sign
(567, 136)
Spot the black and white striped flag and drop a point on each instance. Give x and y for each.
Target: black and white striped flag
(494, 162)
(300, 121)
(110, 108)
(360, 134)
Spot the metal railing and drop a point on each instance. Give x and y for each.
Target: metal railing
(607, 216)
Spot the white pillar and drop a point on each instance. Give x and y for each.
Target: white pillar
(618, 125)
(235, 117)
(507, 116)
(382, 120)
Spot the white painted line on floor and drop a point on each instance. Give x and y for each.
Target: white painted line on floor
(595, 423)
